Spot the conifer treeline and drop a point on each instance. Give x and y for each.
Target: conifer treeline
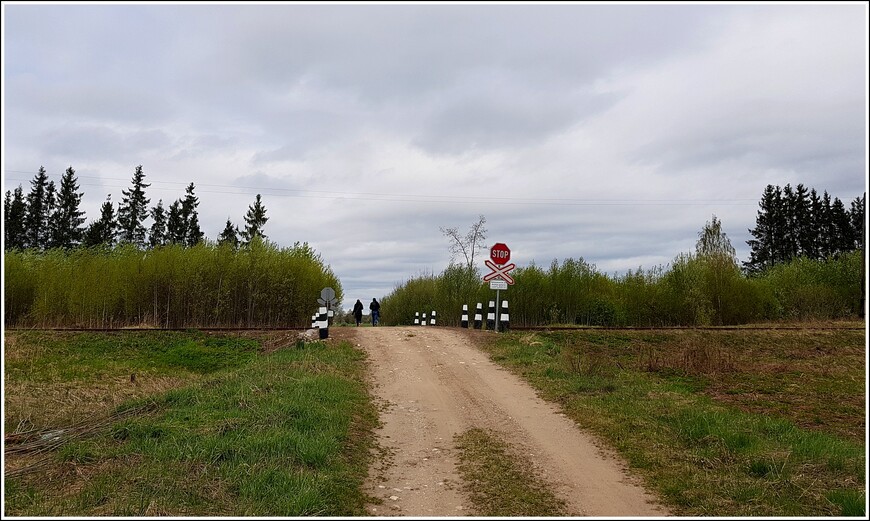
(798, 223)
(117, 273)
(48, 218)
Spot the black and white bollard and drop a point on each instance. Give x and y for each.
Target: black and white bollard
(478, 317)
(323, 322)
(423, 322)
(432, 318)
(463, 322)
(490, 317)
(416, 318)
(313, 321)
(504, 321)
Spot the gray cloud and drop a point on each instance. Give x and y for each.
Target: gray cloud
(608, 132)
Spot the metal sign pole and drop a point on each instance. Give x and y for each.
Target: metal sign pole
(496, 308)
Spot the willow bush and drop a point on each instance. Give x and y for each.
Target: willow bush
(207, 285)
(694, 290)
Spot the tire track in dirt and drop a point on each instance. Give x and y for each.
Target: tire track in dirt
(433, 384)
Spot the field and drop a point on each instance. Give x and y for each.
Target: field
(180, 424)
(747, 422)
(736, 422)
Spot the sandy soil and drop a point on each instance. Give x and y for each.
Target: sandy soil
(434, 384)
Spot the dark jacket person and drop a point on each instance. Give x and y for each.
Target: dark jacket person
(357, 311)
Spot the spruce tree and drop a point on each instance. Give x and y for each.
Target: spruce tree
(255, 220)
(762, 254)
(103, 231)
(176, 231)
(826, 228)
(193, 234)
(15, 228)
(856, 216)
(134, 210)
(842, 239)
(230, 235)
(814, 244)
(66, 220)
(802, 221)
(157, 235)
(36, 222)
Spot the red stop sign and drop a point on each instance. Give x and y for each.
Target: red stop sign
(500, 253)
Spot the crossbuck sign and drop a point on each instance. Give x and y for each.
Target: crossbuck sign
(499, 272)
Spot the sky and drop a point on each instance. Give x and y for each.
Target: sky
(608, 132)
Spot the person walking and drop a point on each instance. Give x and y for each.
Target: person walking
(357, 312)
(376, 311)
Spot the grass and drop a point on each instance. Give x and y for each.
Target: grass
(285, 433)
(501, 482)
(737, 423)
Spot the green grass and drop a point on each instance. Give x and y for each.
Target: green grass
(501, 482)
(283, 434)
(707, 417)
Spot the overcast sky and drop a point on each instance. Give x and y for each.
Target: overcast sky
(607, 132)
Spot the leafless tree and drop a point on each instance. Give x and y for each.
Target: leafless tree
(469, 244)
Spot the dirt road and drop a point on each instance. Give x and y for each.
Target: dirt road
(433, 385)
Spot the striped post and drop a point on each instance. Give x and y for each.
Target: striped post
(504, 321)
(478, 317)
(313, 321)
(490, 317)
(464, 321)
(432, 318)
(423, 322)
(323, 322)
(416, 318)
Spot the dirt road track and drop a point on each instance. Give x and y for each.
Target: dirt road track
(434, 384)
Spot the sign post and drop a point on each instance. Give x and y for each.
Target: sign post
(499, 279)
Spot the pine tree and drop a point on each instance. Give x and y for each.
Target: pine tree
(157, 235)
(230, 235)
(790, 241)
(193, 234)
(255, 220)
(36, 221)
(103, 231)
(176, 231)
(134, 210)
(15, 229)
(66, 220)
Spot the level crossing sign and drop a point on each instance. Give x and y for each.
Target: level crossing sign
(499, 254)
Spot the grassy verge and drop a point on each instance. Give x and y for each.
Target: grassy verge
(499, 481)
(286, 433)
(738, 423)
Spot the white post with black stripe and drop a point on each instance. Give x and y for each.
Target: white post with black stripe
(504, 318)
(416, 318)
(423, 322)
(432, 318)
(463, 322)
(490, 317)
(478, 316)
(323, 322)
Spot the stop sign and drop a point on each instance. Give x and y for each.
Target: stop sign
(500, 253)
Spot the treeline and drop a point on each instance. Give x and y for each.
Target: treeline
(116, 272)
(48, 217)
(706, 287)
(799, 223)
(205, 285)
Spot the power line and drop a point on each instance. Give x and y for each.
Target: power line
(414, 198)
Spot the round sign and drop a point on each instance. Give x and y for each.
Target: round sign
(500, 253)
(327, 294)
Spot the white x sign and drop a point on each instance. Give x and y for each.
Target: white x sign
(499, 271)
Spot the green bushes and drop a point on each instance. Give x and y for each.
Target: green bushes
(169, 286)
(695, 290)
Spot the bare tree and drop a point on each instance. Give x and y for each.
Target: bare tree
(469, 244)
